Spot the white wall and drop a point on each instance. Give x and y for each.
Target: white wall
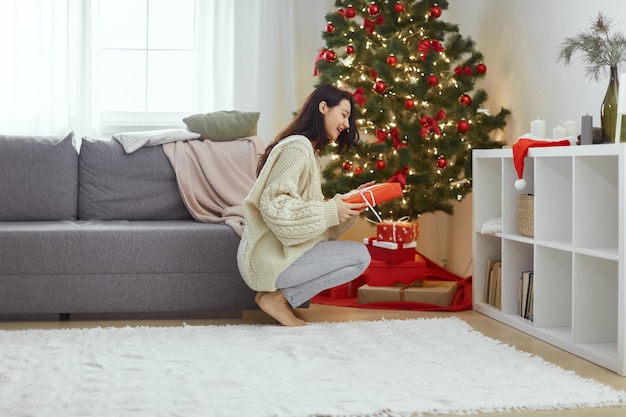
(309, 40)
(520, 40)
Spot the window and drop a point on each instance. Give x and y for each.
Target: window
(100, 67)
(146, 57)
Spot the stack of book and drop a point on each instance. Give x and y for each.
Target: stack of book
(525, 295)
(492, 294)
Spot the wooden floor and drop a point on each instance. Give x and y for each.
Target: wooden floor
(320, 313)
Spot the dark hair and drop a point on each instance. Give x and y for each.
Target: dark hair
(309, 122)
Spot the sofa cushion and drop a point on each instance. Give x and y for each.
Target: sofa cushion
(38, 178)
(117, 247)
(120, 266)
(114, 185)
(223, 125)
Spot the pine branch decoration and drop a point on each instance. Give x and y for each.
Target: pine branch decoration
(600, 48)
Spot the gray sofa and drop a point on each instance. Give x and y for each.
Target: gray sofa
(103, 231)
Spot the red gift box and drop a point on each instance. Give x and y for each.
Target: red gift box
(375, 194)
(401, 232)
(347, 290)
(381, 273)
(391, 252)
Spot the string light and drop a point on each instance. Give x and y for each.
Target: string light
(407, 99)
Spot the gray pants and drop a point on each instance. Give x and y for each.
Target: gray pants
(324, 266)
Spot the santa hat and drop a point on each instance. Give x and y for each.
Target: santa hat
(520, 150)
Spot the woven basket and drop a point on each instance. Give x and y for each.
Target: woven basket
(526, 215)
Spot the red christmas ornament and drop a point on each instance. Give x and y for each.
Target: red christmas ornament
(373, 73)
(442, 162)
(463, 71)
(380, 164)
(463, 126)
(380, 87)
(373, 10)
(465, 100)
(350, 12)
(425, 121)
(409, 103)
(398, 8)
(481, 68)
(347, 166)
(392, 60)
(330, 28)
(435, 12)
(358, 171)
(349, 49)
(330, 55)
(433, 80)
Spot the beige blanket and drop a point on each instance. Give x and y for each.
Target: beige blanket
(215, 177)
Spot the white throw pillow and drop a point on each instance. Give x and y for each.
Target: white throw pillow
(131, 141)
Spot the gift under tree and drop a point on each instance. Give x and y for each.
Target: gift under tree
(413, 77)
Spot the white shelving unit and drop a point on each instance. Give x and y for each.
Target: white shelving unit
(577, 252)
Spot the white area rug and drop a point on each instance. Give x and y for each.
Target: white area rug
(390, 368)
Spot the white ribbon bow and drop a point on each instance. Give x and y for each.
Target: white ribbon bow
(372, 204)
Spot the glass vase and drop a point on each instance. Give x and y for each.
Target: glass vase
(608, 111)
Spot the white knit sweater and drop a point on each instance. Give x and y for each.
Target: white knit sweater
(285, 214)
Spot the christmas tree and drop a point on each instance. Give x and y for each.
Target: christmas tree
(412, 76)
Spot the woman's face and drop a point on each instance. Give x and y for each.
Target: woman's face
(336, 119)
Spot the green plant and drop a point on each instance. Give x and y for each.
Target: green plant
(600, 48)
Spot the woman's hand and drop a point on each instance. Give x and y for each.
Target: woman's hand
(367, 184)
(346, 211)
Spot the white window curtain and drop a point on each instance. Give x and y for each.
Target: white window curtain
(48, 63)
(249, 63)
(45, 62)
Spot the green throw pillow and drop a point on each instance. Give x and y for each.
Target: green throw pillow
(223, 125)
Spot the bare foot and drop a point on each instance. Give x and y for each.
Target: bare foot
(275, 304)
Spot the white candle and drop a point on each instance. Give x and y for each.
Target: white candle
(570, 128)
(558, 132)
(586, 130)
(538, 128)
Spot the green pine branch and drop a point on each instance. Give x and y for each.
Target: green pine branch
(600, 48)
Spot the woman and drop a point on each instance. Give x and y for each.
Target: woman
(288, 252)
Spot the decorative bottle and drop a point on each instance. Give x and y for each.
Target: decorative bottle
(608, 111)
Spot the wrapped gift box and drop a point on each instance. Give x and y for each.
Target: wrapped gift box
(347, 290)
(401, 232)
(375, 194)
(381, 273)
(439, 293)
(391, 252)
